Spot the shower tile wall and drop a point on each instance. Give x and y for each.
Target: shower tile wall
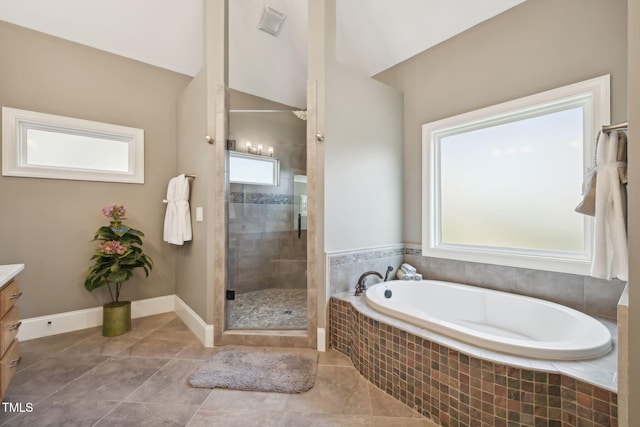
(593, 296)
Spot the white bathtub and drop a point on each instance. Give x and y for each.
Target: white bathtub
(494, 320)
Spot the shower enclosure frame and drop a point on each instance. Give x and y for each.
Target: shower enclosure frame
(258, 337)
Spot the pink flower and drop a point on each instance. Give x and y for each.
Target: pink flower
(114, 211)
(113, 247)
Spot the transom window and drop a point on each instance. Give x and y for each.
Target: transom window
(39, 145)
(500, 184)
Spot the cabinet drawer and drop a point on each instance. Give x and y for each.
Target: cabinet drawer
(9, 326)
(9, 366)
(9, 295)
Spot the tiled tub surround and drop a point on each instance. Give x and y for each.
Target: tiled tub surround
(456, 384)
(344, 268)
(587, 294)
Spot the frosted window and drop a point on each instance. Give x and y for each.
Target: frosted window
(76, 151)
(515, 185)
(500, 184)
(39, 145)
(253, 169)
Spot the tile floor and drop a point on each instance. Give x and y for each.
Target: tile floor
(269, 309)
(140, 379)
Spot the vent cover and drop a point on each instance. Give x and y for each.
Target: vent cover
(272, 20)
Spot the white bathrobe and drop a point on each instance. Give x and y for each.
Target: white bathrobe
(610, 252)
(177, 221)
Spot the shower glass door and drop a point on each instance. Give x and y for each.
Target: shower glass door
(267, 286)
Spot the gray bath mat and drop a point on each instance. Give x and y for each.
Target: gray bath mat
(282, 370)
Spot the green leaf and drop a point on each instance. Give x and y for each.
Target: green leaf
(118, 276)
(136, 232)
(114, 269)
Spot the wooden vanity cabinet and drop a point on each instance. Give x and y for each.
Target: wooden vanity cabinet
(9, 325)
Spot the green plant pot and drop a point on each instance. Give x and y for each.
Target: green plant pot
(116, 318)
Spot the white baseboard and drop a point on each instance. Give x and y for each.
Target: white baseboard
(60, 323)
(322, 343)
(203, 331)
(151, 306)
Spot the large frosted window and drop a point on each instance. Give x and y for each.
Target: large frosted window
(515, 185)
(501, 184)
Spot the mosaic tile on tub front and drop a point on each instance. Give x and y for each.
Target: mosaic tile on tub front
(455, 388)
(600, 371)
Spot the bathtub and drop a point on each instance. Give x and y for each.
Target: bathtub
(494, 320)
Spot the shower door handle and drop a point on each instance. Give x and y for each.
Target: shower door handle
(299, 226)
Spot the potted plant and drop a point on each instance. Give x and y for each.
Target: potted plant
(119, 254)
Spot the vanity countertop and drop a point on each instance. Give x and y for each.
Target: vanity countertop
(8, 272)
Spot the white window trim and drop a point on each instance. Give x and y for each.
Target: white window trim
(14, 153)
(595, 92)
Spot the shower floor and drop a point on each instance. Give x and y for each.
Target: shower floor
(268, 309)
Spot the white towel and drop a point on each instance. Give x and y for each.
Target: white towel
(177, 221)
(408, 269)
(610, 252)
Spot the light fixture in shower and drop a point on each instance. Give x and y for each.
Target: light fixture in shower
(272, 20)
(301, 114)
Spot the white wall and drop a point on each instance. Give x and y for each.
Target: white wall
(362, 156)
(279, 61)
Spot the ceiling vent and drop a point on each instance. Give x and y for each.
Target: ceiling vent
(272, 20)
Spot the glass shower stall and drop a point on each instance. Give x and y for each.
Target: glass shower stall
(267, 204)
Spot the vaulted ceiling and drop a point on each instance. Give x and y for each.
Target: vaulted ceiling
(372, 35)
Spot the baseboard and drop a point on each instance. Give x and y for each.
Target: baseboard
(203, 331)
(322, 343)
(151, 306)
(60, 323)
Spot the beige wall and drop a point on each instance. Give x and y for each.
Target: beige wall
(47, 224)
(535, 46)
(191, 259)
(200, 276)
